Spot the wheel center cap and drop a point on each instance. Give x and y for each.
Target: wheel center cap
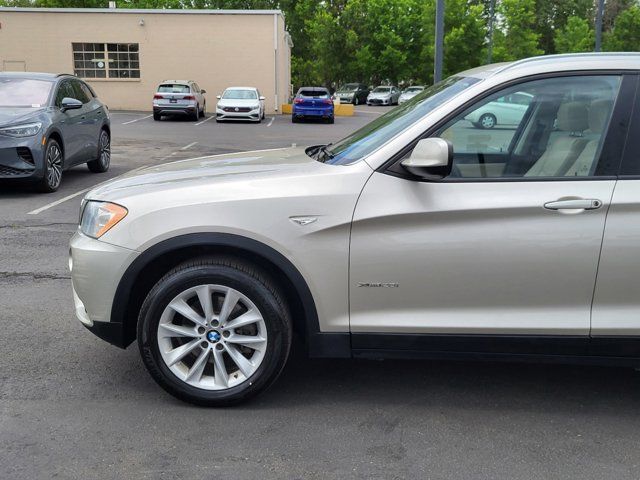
(213, 336)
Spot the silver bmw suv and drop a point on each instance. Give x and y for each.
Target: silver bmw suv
(417, 236)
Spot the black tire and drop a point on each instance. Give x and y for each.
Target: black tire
(331, 120)
(204, 110)
(487, 121)
(251, 282)
(102, 162)
(53, 163)
(196, 115)
(356, 100)
(157, 117)
(294, 119)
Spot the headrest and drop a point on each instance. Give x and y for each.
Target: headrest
(599, 113)
(573, 117)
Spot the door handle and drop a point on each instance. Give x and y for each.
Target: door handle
(574, 204)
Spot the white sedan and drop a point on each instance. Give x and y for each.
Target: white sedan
(507, 110)
(240, 103)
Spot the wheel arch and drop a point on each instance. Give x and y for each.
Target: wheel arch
(154, 262)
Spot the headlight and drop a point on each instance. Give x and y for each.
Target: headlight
(100, 217)
(255, 107)
(25, 130)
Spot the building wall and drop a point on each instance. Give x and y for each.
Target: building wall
(215, 50)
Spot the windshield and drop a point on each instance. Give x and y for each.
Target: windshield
(382, 89)
(173, 88)
(23, 92)
(240, 94)
(349, 87)
(373, 135)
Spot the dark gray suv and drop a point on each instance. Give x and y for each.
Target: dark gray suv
(49, 123)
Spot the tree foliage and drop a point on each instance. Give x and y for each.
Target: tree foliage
(576, 36)
(376, 41)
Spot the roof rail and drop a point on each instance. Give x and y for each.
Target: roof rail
(540, 58)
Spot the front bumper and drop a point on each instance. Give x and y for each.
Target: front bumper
(21, 158)
(378, 101)
(233, 115)
(96, 269)
(346, 99)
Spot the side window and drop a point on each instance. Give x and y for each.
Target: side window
(79, 92)
(87, 91)
(553, 127)
(64, 91)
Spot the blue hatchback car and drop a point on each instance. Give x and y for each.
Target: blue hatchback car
(312, 102)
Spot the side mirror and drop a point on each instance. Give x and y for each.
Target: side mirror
(218, 97)
(70, 104)
(203, 91)
(261, 98)
(431, 159)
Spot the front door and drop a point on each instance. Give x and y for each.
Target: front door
(71, 125)
(508, 244)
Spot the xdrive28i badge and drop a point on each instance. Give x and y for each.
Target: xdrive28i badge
(378, 284)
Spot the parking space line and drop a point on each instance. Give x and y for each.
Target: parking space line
(186, 147)
(369, 113)
(137, 119)
(58, 202)
(271, 121)
(205, 120)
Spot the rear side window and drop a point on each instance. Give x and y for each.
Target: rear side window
(314, 93)
(173, 88)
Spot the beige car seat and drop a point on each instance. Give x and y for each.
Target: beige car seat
(563, 150)
(585, 164)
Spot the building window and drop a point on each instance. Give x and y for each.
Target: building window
(106, 60)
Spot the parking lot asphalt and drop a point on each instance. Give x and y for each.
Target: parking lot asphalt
(72, 406)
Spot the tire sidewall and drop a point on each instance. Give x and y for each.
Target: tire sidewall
(278, 333)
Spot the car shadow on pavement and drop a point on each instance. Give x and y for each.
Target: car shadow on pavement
(454, 384)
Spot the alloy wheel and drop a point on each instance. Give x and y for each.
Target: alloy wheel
(212, 337)
(54, 166)
(105, 150)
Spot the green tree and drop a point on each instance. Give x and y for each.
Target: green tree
(576, 36)
(517, 37)
(625, 34)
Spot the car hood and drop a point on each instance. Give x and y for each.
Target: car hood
(379, 94)
(346, 92)
(228, 102)
(13, 116)
(244, 168)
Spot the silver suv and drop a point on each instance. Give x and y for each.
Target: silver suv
(179, 97)
(417, 236)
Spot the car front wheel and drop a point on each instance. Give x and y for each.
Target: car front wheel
(52, 167)
(214, 332)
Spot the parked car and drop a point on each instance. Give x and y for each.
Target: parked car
(409, 93)
(504, 111)
(312, 102)
(179, 97)
(355, 93)
(384, 95)
(48, 124)
(240, 103)
(412, 237)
